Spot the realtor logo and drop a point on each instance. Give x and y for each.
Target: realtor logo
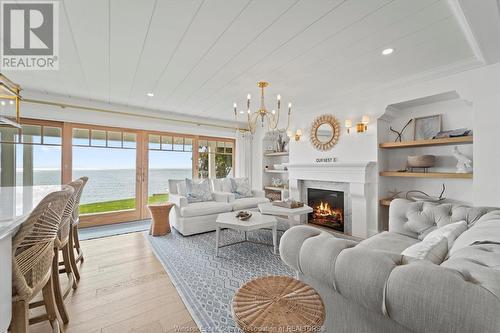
(30, 35)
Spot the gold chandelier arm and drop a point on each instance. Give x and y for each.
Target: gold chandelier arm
(252, 121)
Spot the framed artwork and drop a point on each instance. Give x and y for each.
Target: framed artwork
(425, 128)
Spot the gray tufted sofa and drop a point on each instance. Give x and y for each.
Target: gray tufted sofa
(367, 288)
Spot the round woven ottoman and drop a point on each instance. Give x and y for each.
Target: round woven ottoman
(278, 304)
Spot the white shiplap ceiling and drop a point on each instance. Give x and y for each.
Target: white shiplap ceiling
(198, 57)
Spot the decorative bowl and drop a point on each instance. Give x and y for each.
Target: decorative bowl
(243, 215)
(421, 161)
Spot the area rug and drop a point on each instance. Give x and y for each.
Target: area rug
(113, 229)
(207, 283)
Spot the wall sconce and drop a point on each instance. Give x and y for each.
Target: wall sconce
(361, 127)
(348, 125)
(296, 135)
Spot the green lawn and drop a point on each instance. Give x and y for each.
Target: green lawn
(123, 204)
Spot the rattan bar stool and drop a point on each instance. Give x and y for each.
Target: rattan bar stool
(75, 221)
(32, 262)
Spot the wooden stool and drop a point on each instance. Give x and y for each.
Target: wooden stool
(278, 304)
(160, 224)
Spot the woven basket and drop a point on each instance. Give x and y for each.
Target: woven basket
(278, 304)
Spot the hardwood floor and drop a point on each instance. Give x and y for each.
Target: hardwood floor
(123, 288)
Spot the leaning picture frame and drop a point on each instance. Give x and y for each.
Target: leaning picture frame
(425, 128)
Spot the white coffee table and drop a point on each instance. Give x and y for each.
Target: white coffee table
(269, 209)
(256, 222)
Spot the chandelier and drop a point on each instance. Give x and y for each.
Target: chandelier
(9, 103)
(262, 114)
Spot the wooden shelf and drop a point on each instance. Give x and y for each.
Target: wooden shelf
(275, 171)
(428, 143)
(274, 188)
(386, 201)
(426, 174)
(283, 153)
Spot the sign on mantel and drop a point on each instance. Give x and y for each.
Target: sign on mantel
(326, 159)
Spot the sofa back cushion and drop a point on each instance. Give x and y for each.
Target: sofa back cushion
(222, 185)
(485, 231)
(198, 191)
(241, 187)
(416, 219)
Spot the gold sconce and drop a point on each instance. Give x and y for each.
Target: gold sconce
(297, 135)
(361, 127)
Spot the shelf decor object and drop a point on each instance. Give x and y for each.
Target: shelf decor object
(428, 127)
(262, 113)
(9, 103)
(325, 132)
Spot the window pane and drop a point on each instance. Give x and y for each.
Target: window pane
(179, 144)
(32, 134)
(165, 165)
(223, 165)
(166, 143)
(203, 162)
(229, 147)
(154, 141)
(220, 147)
(112, 178)
(52, 135)
(98, 138)
(114, 139)
(9, 134)
(38, 165)
(80, 137)
(203, 146)
(188, 144)
(129, 140)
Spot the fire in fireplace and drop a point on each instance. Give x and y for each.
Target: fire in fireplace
(328, 208)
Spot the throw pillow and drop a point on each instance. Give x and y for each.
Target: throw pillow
(450, 232)
(434, 250)
(181, 188)
(241, 188)
(225, 185)
(198, 191)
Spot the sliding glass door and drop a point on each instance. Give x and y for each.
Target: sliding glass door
(127, 168)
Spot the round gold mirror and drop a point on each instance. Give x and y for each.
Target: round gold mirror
(325, 132)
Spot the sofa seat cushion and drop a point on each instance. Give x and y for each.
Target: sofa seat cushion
(388, 241)
(205, 208)
(246, 203)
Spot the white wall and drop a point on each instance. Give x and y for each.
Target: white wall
(479, 86)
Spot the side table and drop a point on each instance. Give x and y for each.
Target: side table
(160, 224)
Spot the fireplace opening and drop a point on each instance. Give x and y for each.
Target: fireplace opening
(328, 208)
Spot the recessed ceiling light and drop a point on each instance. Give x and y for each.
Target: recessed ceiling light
(241, 111)
(387, 51)
(3, 103)
(150, 94)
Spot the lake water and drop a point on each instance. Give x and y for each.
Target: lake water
(106, 185)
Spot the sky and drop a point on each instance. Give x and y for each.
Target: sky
(46, 157)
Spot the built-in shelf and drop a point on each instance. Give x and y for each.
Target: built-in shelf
(275, 171)
(386, 201)
(428, 143)
(426, 174)
(282, 153)
(274, 188)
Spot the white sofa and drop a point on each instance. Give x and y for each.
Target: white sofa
(199, 217)
(221, 186)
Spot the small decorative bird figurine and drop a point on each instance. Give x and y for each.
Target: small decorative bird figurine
(464, 164)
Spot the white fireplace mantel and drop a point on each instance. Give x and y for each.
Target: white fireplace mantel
(358, 176)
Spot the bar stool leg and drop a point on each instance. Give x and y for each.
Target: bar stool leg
(59, 301)
(49, 298)
(20, 317)
(68, 269)
(76, 241)
(72, 259)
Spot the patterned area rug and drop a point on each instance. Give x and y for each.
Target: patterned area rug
(207, 283)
